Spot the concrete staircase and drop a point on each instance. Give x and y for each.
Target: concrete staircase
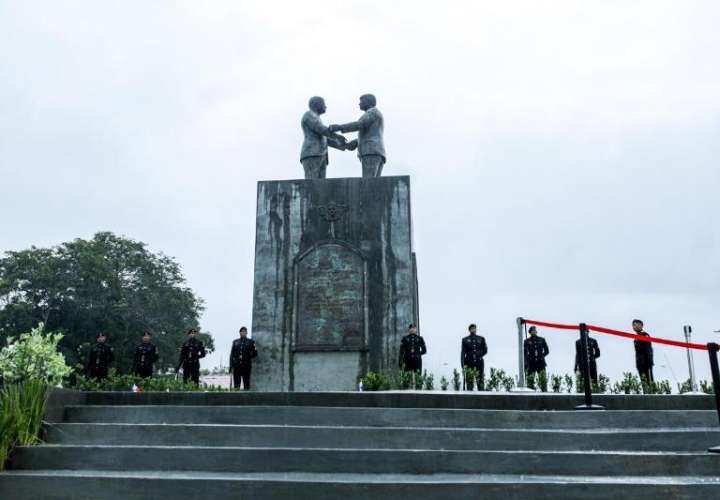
(369, 445)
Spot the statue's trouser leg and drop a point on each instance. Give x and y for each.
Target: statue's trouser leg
(380, 167)
(371, 165)
(314, 167)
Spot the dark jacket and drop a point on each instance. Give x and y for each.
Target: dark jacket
(242, 352)
(412, 347)
(473, 348)
(145, 357)
(190, 354)
(643, 353)
(593, 349)
(535, 349)
(99, 360)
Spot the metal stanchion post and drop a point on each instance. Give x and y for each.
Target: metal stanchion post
(687, 330)
(585, 367)
(521, 358)
(713, 352)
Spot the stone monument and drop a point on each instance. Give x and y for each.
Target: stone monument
(335, 276)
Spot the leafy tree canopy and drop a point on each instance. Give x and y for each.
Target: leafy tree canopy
(110, 284)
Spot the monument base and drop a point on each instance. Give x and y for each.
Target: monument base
(335, 280)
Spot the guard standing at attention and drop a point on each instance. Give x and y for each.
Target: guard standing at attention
(190, 353)
(412, 348)
(100, 358)
(471, 354)
(594, 351)
(535, 349)
(241, 355)
(145, 356)
(643, 353)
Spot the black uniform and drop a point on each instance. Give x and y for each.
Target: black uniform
(594, 352)
(241, 355)
(535, 349)
(190, 355)
(644, 358)
(101, 355)
(412, 348)
(145, 356)
(471, 354)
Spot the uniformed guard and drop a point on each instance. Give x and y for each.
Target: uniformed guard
(145, 356)
(594, 351)
(535, 349)
(412, 348)
(473, 348)
(100, 358)
(241, 355)
(190, 353)
(643, 353)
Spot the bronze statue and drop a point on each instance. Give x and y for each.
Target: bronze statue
(370, 145)
(314, 152)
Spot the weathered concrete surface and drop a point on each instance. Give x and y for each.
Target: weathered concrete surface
(334, 273)
(408, 399)
(393, 417)
(203, 447)
(375, 461)
(359, 437)
(59, 399)
(102, 485)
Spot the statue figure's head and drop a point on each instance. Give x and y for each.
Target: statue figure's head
(317, 104)
(367, 101)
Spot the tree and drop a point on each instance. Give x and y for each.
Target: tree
(109, 283)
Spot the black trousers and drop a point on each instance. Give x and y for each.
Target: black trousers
(99, 373)
(191, 372)
(412, 365)
(478, 381)
(242, 374)
(593, 373)
(144, 371)
(645, 372)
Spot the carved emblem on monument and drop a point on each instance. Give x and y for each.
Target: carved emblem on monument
(332, 212)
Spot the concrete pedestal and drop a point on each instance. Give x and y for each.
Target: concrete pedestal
(335, 280)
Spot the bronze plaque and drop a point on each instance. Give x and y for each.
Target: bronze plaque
(330, 299)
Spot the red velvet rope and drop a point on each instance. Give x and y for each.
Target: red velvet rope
(634, 336)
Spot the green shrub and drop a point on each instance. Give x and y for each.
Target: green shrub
(531, 380)
(28, 366)
(429, 381)
(22, 406)
(543, 381)
(707, 387)
(507, 382)
(33, 355)
(556, 383)
(602, 385)
(444, 383)
(568, 379)
(457, 384)
(630, 384)
(471, 375)
(115, 382)
(495, 380)
(417, 380)
(373, 381)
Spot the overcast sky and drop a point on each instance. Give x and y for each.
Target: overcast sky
(563, 155)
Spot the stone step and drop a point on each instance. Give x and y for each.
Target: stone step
(390, 417)
(381, 437)
(173, 485)
(246, 459)
(407, 399)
